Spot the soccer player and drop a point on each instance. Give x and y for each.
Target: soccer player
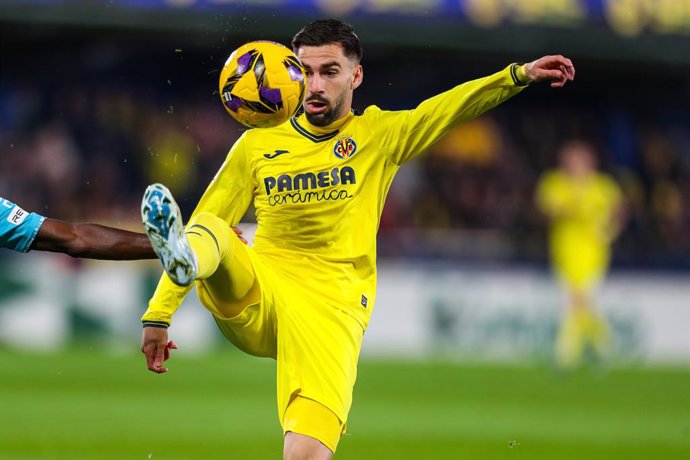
(304, 293)
(585, 211)
(24, 231)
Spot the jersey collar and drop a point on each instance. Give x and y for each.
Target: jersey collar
(319, 133)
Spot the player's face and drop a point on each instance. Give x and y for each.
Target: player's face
(578, 160)
(331, 79)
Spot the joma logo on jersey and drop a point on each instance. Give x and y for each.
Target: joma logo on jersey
(310, 180)
(345, 148)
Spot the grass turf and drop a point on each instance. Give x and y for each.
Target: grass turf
(88, 403)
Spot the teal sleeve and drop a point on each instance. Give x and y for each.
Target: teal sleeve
(18, 228)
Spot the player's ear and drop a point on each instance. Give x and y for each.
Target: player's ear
(357, 77)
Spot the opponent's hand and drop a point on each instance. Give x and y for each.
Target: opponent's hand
(157, 348)
(557, 69)
(239, 232)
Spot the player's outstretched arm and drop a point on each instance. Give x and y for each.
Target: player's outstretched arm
(92, 241)
(557, 69)
(156, 348)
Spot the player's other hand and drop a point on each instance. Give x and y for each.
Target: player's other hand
(557, 69)
(156, 348)
(239, 232)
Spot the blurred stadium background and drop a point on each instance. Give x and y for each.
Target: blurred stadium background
(100, 98)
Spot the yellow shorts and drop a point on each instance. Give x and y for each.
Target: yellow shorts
(308, 417)
(580, 266)
(315, 343)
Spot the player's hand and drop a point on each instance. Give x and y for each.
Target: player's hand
(157, 348)
(557, 69)
(239, 232)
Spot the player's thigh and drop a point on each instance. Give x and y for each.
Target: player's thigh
(253, 330)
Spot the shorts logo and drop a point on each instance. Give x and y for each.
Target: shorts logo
(17, 216)
(364, 301)
(345, 148)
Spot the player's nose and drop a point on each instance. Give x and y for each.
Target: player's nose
(315, 84)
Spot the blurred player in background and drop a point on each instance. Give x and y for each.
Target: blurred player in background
(304, 293)
(23, 231)
(585, 211)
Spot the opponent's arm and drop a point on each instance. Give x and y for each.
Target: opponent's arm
(92, 241)
(408, 133)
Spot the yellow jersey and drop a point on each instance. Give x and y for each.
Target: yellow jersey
(583, 223)
(319, 191)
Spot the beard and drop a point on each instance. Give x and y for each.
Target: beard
(327, 117)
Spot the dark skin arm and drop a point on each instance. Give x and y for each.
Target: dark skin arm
(93, 241)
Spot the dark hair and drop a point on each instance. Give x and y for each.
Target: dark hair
(327, 31)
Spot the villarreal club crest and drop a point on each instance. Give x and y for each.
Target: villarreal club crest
(344, 148)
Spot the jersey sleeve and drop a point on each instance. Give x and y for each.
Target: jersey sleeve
(228, 196)
(18, 228)
(408, 133)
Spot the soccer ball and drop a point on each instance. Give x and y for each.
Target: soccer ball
(262, 84)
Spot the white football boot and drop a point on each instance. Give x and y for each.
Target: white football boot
(163, 224)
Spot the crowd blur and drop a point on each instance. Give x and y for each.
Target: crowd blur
(82, 134)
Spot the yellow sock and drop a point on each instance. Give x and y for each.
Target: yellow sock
(209, 238)
(598, 333)
(570, 341)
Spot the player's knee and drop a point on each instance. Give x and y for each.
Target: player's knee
(206, 223)
(302, 447)
(210, 221)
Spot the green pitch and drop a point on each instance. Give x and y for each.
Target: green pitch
(90, 404)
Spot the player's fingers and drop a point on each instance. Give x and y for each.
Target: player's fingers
(158, 360)
(150, 358)
(550, 74)
(569, 71)
(557, 60)
(238, 232)
(559, 83)
(151, 362)
(170, 346)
